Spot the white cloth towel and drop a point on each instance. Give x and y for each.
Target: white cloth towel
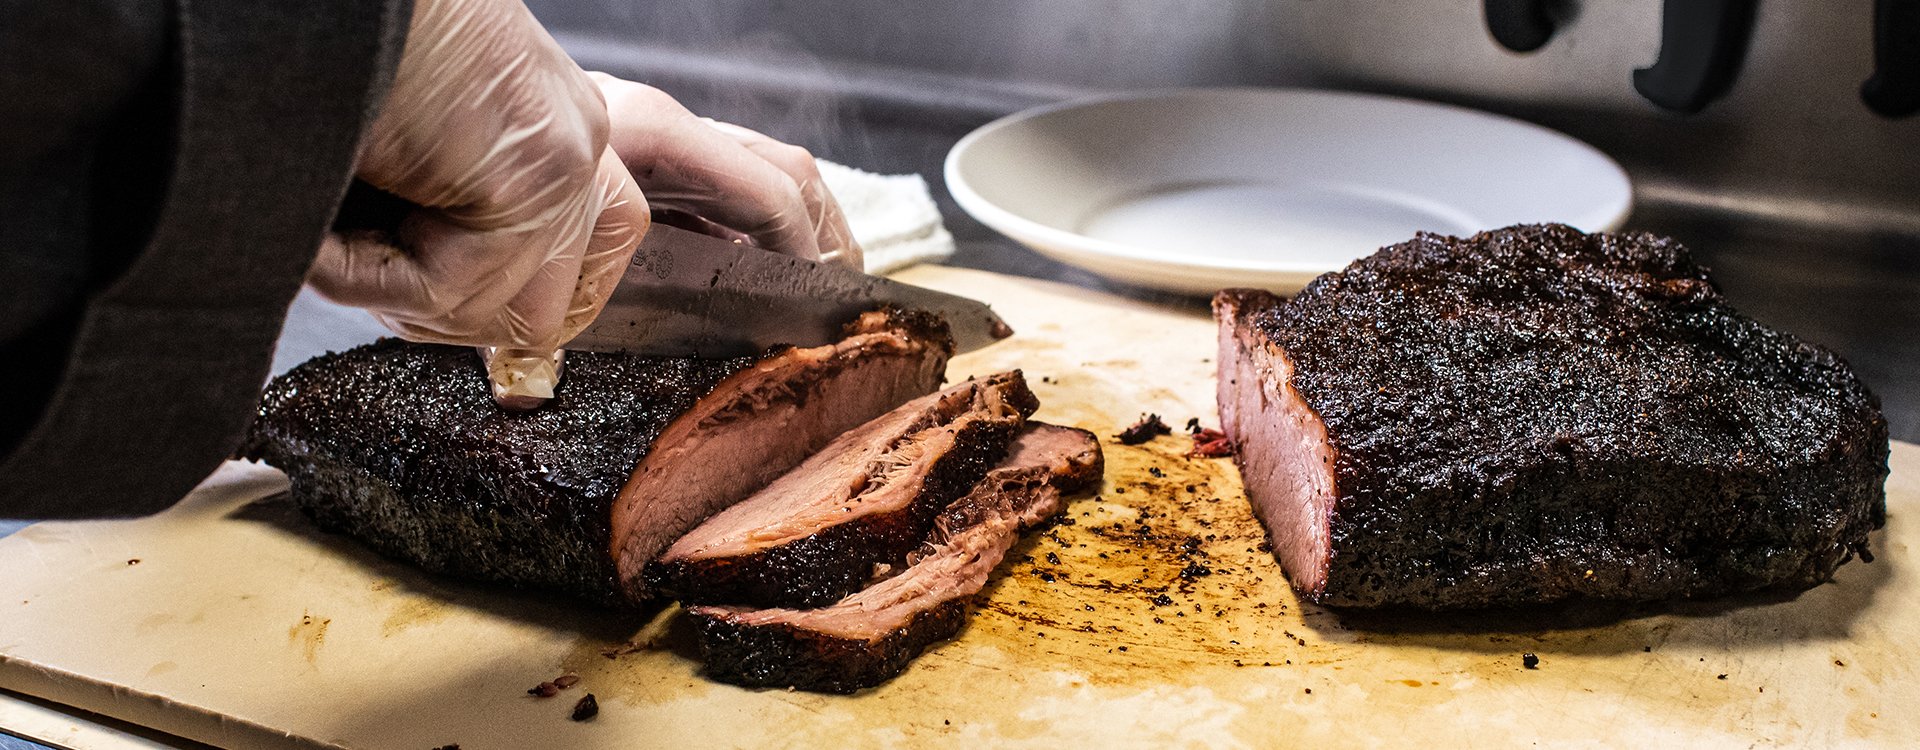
(893, 217)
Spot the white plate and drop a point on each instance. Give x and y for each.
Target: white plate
(1197, 189)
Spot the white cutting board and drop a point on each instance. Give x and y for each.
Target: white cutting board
(240, 625)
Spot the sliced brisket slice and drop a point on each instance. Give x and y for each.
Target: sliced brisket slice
(1534, 414)
(867, 638)
(815, 534)
(400, 445)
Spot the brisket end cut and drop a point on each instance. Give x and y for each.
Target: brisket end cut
(1535, 414)
(814, 535)
(871, 636)
(401, 446)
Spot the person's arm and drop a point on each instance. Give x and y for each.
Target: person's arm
(181, 165)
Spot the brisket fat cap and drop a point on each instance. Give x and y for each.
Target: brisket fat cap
(400, 445)
(1535, 413)
(813, 535)
(871, 636)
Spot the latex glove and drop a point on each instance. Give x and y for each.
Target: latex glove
(769, 192)
(526, 217)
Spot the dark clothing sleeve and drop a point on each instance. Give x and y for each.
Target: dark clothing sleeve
(167, 170)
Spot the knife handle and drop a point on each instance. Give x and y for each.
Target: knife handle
(1701, 45)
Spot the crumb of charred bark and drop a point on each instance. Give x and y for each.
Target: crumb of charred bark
(1210, 443)
(586, 709)
(1148, 428)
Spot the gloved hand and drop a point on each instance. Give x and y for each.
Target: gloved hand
(528, 214)
(767, 192)
(526, 218)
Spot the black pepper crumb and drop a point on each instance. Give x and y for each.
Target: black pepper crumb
(586, 709)
(1156, 472)
(544, 690)
(1148, 428)
(454, 746)
(1529, 661)
(1721, 677)
(1053, 559)
(1309, 691)
(134, 561)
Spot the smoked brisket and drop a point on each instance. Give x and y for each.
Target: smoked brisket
(1535, 414)
(813, 536)
(871, 636)
(400, 445)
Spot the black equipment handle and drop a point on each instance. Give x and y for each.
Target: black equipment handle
(1894, 89)
(1519, 25)
(1701, 46)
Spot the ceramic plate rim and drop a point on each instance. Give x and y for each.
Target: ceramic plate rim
(1014, 225)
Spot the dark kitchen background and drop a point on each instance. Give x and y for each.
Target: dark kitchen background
(1803, 199)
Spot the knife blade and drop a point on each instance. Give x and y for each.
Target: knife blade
(689, 294)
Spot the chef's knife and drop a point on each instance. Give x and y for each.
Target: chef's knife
(689, 294)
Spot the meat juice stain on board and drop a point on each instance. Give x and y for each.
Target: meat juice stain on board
(1163, 567)
(309, 633)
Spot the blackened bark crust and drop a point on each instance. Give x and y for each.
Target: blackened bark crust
(1534, 414)
(400, 445)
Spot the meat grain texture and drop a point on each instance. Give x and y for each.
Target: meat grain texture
(1535, 414)
(814, 535)
(872, 635)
